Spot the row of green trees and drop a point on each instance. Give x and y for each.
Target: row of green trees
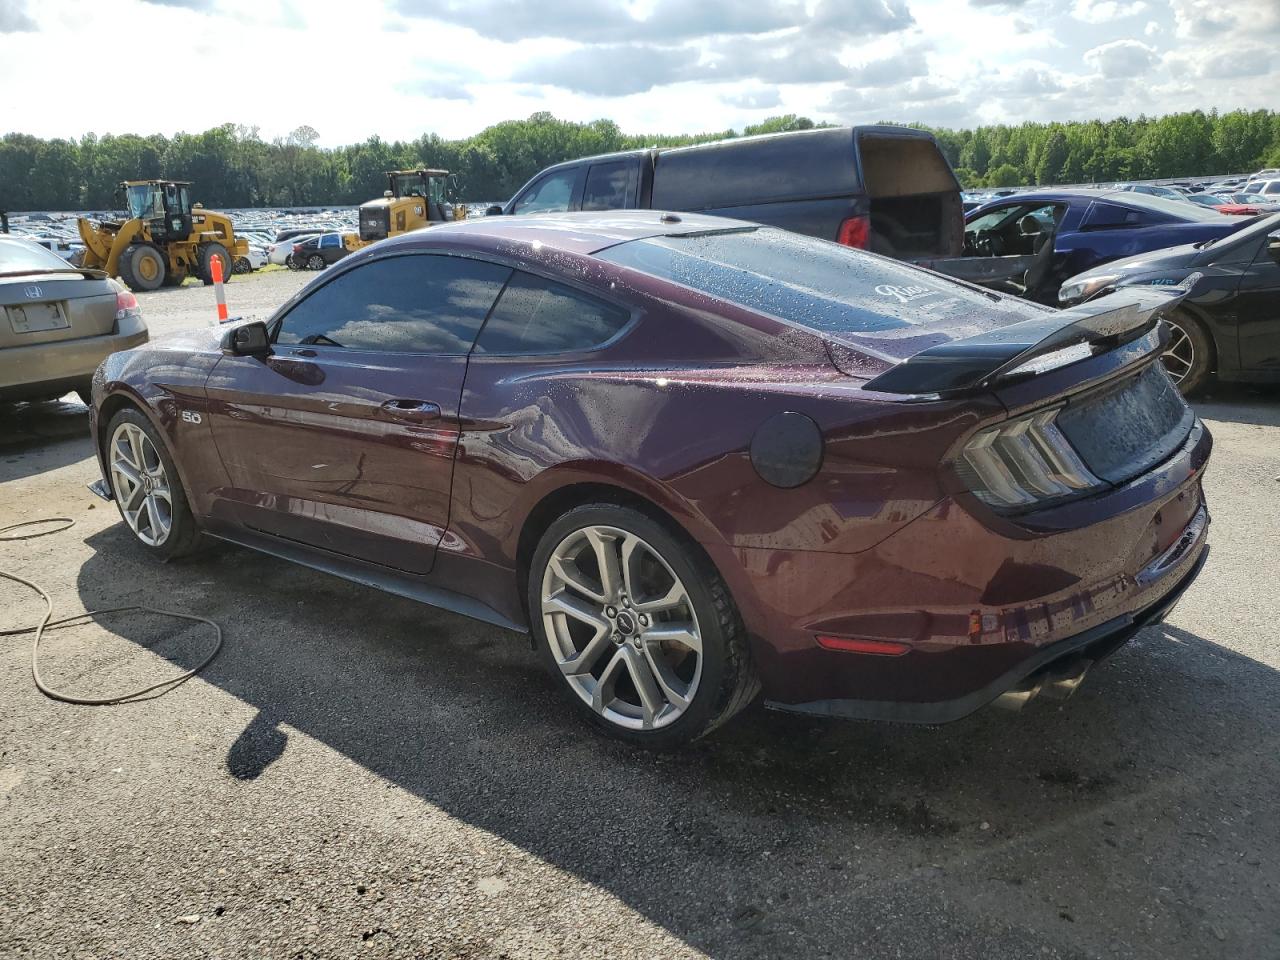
(232, 166)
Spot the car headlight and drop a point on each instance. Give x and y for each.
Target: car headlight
(1074, 291)
(1022, 462)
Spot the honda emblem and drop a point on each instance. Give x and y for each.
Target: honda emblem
(33, 292)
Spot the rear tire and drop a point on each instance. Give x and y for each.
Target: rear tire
(243, 265)
(1189, 356)
(315, 262)
(134, 447)
(682, 666)
(207, 254)
(142, 267)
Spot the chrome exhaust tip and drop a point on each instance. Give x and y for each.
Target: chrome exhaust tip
(1017, 698)
(1060, 684)
(1056, 683)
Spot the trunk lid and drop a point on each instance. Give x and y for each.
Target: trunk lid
(47, 308)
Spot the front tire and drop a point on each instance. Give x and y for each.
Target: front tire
(243, 265)
(147, 489)
(142, 267)
(638, 626)
(208, 253)
(1189, 356)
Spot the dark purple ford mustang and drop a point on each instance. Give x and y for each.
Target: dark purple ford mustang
(697, 458)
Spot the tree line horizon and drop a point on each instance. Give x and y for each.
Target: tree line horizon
(231, 166)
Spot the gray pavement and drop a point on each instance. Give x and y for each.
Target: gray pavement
(359, 775)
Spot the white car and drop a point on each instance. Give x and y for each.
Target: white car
(1264, 188)
(255, 259)
(66, 249)
(278, 253)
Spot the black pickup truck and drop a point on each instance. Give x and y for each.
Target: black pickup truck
(881, 188)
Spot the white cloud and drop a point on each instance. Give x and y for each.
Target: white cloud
(1121, 58)
(655, 66)
(1104, 11)
(14, 17)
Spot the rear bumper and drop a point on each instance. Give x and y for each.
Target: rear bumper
(979, 603)
(1067, 658)
(43, 369)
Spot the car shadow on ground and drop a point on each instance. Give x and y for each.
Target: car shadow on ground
(1257, 404)
(36, 437)
(776, 834)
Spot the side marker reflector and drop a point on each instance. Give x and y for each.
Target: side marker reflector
(877, 648)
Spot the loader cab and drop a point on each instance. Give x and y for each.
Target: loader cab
(413, 199)
(163, 205)
(426, 184)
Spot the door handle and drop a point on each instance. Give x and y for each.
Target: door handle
(411, 410)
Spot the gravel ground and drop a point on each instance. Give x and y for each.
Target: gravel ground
(358, 775)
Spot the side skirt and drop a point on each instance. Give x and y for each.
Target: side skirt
(369, 575)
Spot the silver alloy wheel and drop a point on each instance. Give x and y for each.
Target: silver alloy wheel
(621, 627)
(140, 484)
(1179, 356)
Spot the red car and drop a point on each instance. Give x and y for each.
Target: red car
(695, 458)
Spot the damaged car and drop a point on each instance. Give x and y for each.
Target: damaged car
(1228, 320)
(1027, 244)
(697, 461)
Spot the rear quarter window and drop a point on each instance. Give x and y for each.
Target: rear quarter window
(534, 315)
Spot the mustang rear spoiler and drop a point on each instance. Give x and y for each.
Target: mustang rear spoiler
(1030, 346)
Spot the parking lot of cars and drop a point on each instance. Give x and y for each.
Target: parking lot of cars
(361, 774)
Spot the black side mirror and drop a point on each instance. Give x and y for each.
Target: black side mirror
(247, 340)
(493, 211)
(1273, 246)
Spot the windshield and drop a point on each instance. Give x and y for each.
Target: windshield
(818, 284)
(23, 256)
(144, 201)
(412, 185)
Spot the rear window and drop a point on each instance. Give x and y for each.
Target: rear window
(21, 256)
(817, 284)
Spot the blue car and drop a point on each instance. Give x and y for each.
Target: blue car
(1029, 243)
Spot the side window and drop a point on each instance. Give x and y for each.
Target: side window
(1102, 216)
(540, 316)
(408, 304)
(606, 187)
(551, 194)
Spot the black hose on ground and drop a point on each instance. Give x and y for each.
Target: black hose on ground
(48, 623)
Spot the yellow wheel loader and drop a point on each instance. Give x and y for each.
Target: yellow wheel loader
(165, 240)
(413, 199)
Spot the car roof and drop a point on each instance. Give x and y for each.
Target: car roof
(581, 233)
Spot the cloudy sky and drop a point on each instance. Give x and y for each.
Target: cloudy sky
(398, 68)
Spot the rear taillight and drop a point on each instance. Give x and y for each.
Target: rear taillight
(297, 248)
(126, 306)
(855, 232)
(1022, 462)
